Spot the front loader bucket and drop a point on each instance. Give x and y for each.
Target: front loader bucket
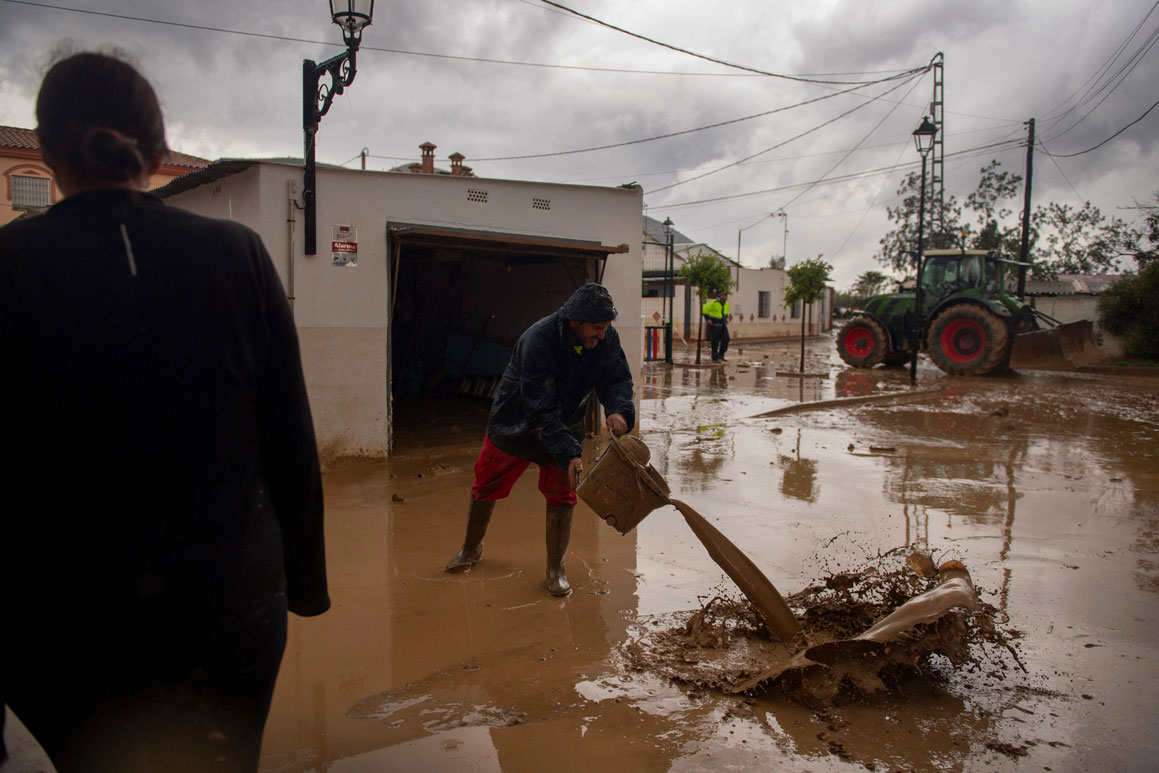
(1064, 347)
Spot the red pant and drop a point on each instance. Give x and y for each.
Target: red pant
(497, 471)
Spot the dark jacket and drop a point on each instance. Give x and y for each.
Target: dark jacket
(159, 481)
(544, 392)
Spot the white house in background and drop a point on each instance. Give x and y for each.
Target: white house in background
(422, 282)
(757, 301)
(1073, 298)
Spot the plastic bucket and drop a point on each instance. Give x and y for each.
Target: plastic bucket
(622, 487)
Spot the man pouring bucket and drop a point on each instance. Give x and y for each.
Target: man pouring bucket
(537, 416)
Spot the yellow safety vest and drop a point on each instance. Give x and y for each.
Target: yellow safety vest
(715, 310)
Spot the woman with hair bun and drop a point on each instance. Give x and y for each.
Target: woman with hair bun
(160, 493)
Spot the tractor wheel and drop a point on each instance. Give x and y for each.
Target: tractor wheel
(862, 342)
(967, 340)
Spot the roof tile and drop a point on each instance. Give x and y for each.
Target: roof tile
(26, 139)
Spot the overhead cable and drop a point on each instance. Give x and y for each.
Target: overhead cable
(1091, 88)
(1108, 139)
(1109, 88)
(798, 78)
(864, 137)
(980, 150)
(779, 144)
(376, 49)
(674, 134)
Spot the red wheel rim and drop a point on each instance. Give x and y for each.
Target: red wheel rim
(858, 342)
(963, 340)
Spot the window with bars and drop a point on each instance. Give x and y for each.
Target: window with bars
(764, 304)
(30, 192)
(795, 313)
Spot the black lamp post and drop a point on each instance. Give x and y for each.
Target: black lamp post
(924, 140)
(669, 287)
(351, 16)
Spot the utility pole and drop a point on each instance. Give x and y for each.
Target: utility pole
(938, 157)
(1024, 250)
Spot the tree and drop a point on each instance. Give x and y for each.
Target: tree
(1081, 241)
(985, 202)
(708, 274)
(866, 286)
(871, 283)
(1063, 239)
(1130, 310)
(1146, 254)
(941, 228)
(807, 280)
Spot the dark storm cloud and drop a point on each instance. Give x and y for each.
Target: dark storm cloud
(231, 95)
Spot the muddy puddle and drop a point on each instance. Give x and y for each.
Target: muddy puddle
(1045, 486)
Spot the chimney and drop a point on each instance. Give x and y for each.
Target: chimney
(428, 149)
(457, 163)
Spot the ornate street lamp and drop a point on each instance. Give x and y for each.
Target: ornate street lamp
(352, 16)
(924, 141)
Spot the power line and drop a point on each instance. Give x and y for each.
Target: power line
(1121, 76)
(364, 48)
(1108, 139)
(779, 144)
(1042, 146)
(859, 143)
(673, 134)
(799, 78)
(967, 153)
(1090, 84)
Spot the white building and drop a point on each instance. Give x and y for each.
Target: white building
(756, 303)
(422, 282)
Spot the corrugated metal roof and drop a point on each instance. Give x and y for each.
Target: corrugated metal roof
(215, 171)
(1047, 287)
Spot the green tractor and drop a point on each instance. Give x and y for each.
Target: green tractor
(970, 323)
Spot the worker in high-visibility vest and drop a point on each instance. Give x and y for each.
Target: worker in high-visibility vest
(716, 318)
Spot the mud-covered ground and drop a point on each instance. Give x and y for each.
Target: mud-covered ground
(1044, 484)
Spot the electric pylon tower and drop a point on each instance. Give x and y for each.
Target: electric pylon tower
(937, 179)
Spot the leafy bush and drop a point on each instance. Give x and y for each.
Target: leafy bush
(1130, 310)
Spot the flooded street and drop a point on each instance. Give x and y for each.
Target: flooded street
(1045, 485)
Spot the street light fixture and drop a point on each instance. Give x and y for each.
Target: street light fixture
(924, 142)
(352, 16)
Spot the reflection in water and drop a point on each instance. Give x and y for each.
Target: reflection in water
(799, 480)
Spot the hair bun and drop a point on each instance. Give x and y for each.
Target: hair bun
(108, 154)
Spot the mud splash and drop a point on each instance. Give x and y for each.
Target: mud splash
(862, 632)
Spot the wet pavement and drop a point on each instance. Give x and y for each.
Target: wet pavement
(1044, 484)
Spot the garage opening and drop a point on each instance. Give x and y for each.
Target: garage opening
(459, 301)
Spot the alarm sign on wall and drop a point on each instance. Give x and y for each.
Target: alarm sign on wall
(344, 247)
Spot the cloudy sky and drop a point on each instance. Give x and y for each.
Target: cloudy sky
(495, 79)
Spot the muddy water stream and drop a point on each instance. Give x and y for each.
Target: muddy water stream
(1045, 485)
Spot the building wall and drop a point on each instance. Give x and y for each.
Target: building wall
(744, 306)
(1076, 308)
(343, 312)
(15, 161)
(30, 163)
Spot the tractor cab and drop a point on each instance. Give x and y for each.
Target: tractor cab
(970, 272)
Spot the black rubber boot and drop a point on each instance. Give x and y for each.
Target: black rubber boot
(478, 516)
(558, 535)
